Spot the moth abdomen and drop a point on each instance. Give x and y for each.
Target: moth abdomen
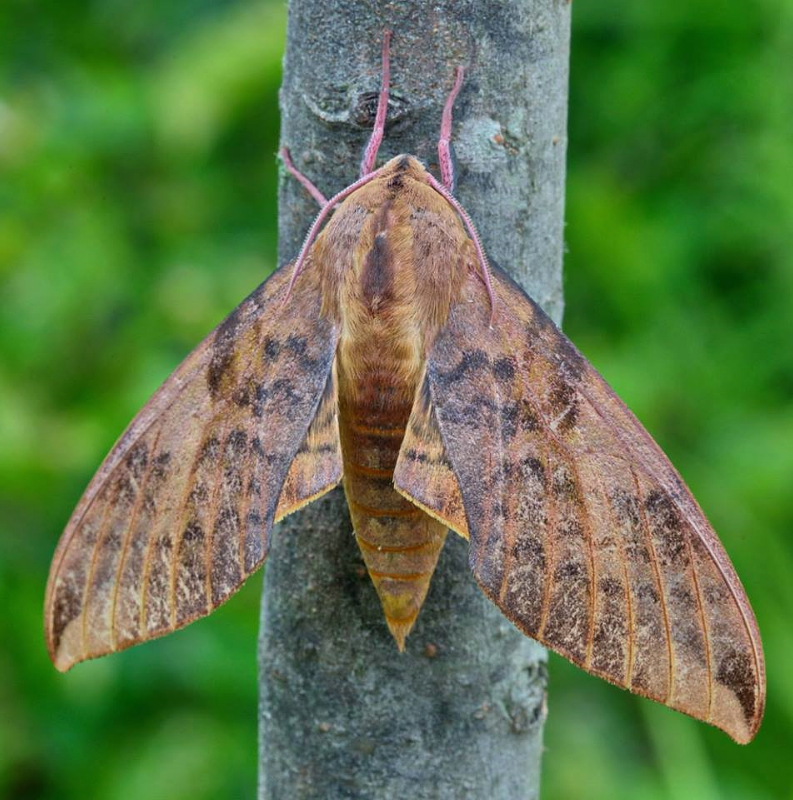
(399, 543)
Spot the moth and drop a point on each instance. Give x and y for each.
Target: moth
(391, 357)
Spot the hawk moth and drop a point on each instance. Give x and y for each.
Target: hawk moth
(390, 356)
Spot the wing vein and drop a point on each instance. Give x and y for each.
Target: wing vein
(247, 499)
(217, 481)
(502, 495)
(551, 554)
(705, 631)
(129, 532)
(657, 570)
(628, 601)
(565, 453)
(180, 512)
(149, 556)
(593, 569)
(89, 578)
(483, 547)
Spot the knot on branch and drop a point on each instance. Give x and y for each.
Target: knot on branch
(345, 105)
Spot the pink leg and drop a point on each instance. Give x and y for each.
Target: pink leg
(444, 151)
(370, 154)
(292, 169)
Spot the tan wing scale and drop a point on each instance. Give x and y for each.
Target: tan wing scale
(180, 512)
(317, 465)
(423, 473)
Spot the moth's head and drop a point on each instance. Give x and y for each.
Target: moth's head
(404, 166)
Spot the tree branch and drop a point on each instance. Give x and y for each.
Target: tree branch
(460, 714)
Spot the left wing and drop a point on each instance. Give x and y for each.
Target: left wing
(180, 512)
(581, 531)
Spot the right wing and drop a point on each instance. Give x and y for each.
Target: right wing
(581, 531)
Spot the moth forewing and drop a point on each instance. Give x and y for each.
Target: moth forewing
(581, 530)
(180, 512)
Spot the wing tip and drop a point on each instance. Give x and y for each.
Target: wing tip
(740, 731)
(746, 732)
(62, 658)
(734, 723)
(62, 663)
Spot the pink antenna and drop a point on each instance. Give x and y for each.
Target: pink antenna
(370, 154)
(444, 148)
(298, 175)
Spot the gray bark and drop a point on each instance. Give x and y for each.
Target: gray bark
(460, 714)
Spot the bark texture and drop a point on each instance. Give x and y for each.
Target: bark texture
(460, 714)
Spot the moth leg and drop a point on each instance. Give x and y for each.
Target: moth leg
(444, 146)
(304, 181)
(370, 154)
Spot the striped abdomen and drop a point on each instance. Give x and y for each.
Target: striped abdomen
(400, 544)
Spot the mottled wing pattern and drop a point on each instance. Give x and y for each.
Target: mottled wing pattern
(180, 512)
(581, 530)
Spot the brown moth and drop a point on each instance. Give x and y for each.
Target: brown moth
(387, 359)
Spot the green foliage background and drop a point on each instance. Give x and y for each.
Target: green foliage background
(137, 206)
